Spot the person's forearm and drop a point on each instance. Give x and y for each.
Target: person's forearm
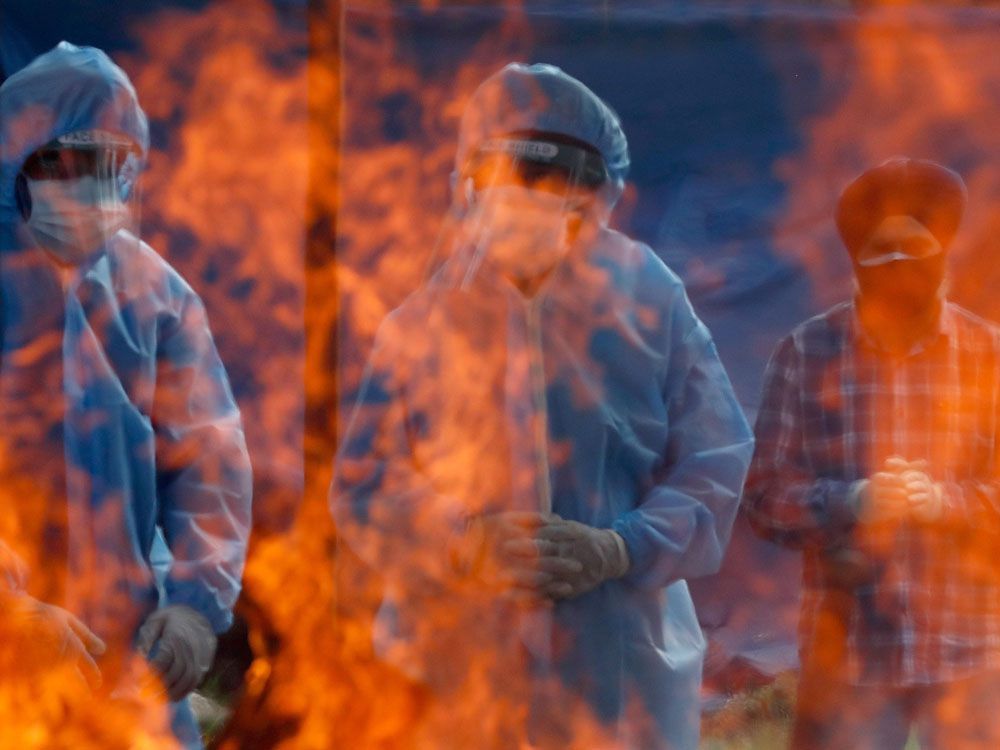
(800, 513)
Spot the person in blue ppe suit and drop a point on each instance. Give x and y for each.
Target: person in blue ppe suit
(544, 447)
(119, 426)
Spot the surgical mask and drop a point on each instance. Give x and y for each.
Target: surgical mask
(72, 218)
(522, 232)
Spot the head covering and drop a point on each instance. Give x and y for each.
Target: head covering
(66, 90)
(542, 98)
(929, 192)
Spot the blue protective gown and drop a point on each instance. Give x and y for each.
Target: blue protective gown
(143, 436)
(643, 436)
(600, 398)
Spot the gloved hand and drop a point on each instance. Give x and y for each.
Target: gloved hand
(55, 634)
(501, 551)
(601, 554)
(182, 645)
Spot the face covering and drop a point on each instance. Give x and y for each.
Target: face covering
(73, 218)
(522, 232)
(907, 288)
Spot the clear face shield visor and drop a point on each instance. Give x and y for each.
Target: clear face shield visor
(78, 191)
(524, 199)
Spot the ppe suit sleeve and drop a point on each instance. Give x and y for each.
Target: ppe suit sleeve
(784, 500)
(681, 527)
(203, 469)
(385, 509)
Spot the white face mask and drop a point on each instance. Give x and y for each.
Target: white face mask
(522, 232)
(73, 218)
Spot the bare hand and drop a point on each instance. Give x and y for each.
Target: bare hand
(925, 496)
(502, 551)
(57, 634)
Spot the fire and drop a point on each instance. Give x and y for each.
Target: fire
(276, 191)
(226, 199)
(914, 83)
(315, 682)
(228, 206)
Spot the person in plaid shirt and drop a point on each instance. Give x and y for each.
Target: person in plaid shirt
(876, 455)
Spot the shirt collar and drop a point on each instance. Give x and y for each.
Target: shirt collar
(943, 331)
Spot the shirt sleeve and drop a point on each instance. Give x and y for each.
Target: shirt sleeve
(204, 478)
(681, 527)
(785, 502)
(975, 503)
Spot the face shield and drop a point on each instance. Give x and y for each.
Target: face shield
(525, 198)
(77, 192)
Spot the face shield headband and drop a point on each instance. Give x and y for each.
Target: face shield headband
(533, 160)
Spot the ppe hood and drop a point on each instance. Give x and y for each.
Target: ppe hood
(66, 90)
(543, 98)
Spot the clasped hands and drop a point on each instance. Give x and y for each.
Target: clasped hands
(533, 557)
(902, 489)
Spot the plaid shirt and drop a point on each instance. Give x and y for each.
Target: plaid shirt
(895, 602)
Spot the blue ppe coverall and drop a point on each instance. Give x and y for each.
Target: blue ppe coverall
(600, 398)
(119, 414)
